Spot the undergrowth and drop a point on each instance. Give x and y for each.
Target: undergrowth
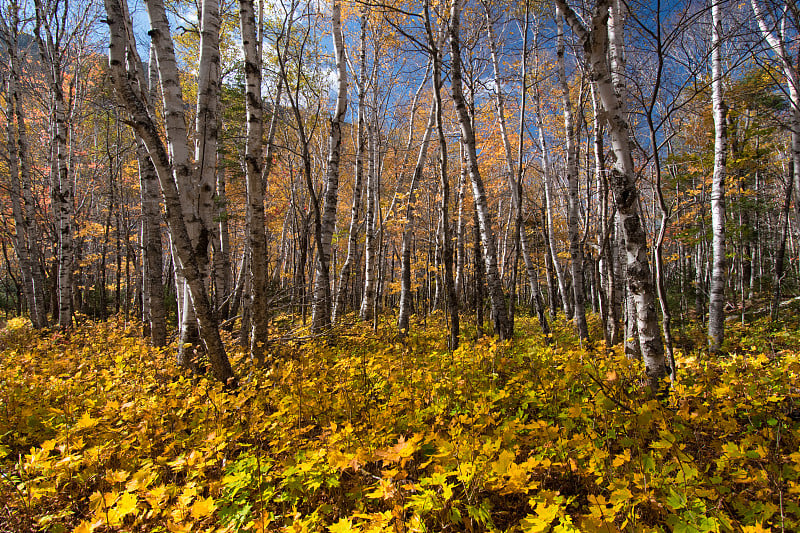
(360, 432)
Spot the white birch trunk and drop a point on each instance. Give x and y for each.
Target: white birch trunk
(499, 312)
(370, 245)
(575, 245)
(61, 187)
(355, 209)
(27, 241)
(321, 313)
(257, 237)
(626, 195)
(128, 81)
(515, 171)
(791, 70)
(549, 210)
(408, 230)
(716, 304)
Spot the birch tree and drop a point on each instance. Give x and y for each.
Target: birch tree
(622, 178)
(55, 34)
(778, 36)
(27, 243)
(355, 209)
(716, 305)
(126, 70)
(571, 148)
(257, 237)
(321, 317)
(502, 325)
(153, 310)
(514, 171)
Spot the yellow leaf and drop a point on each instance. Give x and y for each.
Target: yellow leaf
(342, 526)
(117, 476)
(86, 421)
(83, 527)
(500, 466)
(621, 459)
(203, 507)
(758, 528)
(127, 504)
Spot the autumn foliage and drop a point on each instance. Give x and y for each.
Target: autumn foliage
(357, 432)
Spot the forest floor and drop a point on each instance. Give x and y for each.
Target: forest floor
(361, 432)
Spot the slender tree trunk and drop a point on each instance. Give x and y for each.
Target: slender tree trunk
(716, 303)
(352, 242)
(666, 314)
(406, 305)
(21, 225)
(51, 53)
(222, 255)
(626, 195)
(515, 172)
(608, 284)
(24, 208)
(781, 254)
(322, 286)
(791, 70)
(370, 244)
(575, 244)
(184, 175)
(451, 299)
(154, 311)
(550, 235)
(257, 237)
(461, 259)
(502, 325)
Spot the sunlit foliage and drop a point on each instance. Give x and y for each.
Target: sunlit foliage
(358, 432)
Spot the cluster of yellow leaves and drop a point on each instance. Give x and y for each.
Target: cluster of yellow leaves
(98, 432)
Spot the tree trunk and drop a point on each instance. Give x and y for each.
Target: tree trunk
(502, 325)
(257, 237)
(153, 309)
(51, 53)
(370, 244)
(716, 303)
(515, 172)
(781, 254)
(352, 241)
(791, 70)
(322, 286)
(128, 81)
(406, 304)
(575, 244)
(24, 208)
(550, 235)
(623, 185)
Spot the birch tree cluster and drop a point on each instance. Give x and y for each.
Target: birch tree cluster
(279, 168)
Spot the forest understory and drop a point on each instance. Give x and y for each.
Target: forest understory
(360, 431)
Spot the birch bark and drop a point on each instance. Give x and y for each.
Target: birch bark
(716, 304)
(451, 300)
(515, 171)
(321, 314)
(622, 179)
(257, 236)
(575, 244)
(502, 325)
(355, 209)
(128, 81)
(27, 236)
(777, 41)
(51, 52)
